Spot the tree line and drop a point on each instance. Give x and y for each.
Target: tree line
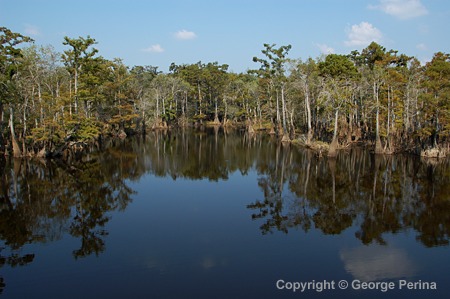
(50, 101)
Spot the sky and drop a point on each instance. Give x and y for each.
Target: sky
(232, 32)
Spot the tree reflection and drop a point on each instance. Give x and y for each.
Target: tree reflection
(40, 201)
(376, 194)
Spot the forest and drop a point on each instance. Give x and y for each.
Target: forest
(388, 101)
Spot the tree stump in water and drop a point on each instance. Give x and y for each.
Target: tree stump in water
(332, 151)
(378, 147)
(285, 138)
(250, 129)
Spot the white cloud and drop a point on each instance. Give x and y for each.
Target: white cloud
(31, 30)
(184, 34)
(422, 47)
(325, 49)
(402, 9)
(154, 49)
(376, 262)
(363, 34)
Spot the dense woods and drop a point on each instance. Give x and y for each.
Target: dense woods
(51, 101)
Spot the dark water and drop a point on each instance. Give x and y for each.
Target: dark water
(204, 215)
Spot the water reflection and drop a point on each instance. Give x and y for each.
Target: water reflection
(378, 194)
(372, 195)
(376, 262)
(41, 201)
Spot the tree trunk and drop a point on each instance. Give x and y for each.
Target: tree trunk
(41, 109)
(183, 111)
(24, 132)
(76, 89)
(278, 112)
(332, 152)
(436, 134)
(225, 112)
(406, 116)
(216, 113)
(350, 128)
(258, 105)
(199, 99)
(388, 145)
(16, 149)
(283, 107)
(378, 146)
(186, 103)
(250, 128)
(308, 114)
(291, 125)
(157, 105)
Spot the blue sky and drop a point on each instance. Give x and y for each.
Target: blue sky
(161, 32)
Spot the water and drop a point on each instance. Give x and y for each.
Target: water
(222, 215)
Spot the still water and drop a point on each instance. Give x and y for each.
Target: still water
(222, 215)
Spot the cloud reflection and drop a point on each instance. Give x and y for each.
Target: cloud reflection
(375, 262)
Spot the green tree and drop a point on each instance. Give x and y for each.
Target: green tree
(305, 79)
(382, 74)
(43, 85)
(273, 68)
(338, 72)
(141, 78)
(436, 100)
(76, 58)
(193, 74)
(216, 78)
(9, 60)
